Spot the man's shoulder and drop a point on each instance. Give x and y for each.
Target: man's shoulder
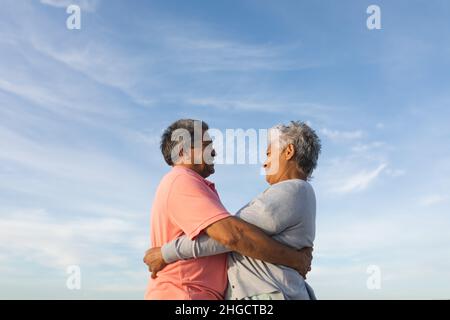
(176, 179)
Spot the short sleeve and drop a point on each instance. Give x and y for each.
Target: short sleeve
(274, 210)
(193, 205)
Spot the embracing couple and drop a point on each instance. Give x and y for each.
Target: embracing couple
(202, 252)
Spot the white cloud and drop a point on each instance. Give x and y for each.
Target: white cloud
(97, 61)
(179, 50)
(359, 181)
(367, 147)
(265, 104)
(32, 93)
(88, 5)
(42, 238)
(395, 172)
(123, 288)
(75, 164)
(82, 102)
(347, 243)
(433, 199)
(340, 136)
(205, 53)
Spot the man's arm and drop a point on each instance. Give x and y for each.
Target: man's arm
(234, 234)
(240, 236)
(182, 248)
(229, 234)
(273, 211)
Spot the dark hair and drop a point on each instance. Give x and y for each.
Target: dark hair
(168, 143)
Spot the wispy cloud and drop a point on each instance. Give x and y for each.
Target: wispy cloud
(351, 241)
(268, 105)
(69, 163)
(395, 172)
(336, 135)
(88, 5)
(364, 147)
(81, 114)
(433, 199)
(56, 243)
(203, 53)
(97, 61)
(359, 181)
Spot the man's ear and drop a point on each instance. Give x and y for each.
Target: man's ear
(184, 156)
(289, 151)
(181, 157)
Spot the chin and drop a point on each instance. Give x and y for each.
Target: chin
(209, 170)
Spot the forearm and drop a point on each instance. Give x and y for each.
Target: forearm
(183, 248)
(248, 240)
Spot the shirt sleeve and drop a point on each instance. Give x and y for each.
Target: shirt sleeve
(274, 210)
(183, 248)
(193, 205)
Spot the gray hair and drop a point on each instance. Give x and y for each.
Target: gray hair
(171, 137)
(306, 143)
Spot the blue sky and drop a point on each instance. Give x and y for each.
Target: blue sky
(81, 112)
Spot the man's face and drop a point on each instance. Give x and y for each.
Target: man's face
(203, 156)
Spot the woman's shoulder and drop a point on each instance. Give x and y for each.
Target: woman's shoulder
(291, 185)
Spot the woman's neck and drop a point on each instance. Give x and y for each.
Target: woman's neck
(293, 173)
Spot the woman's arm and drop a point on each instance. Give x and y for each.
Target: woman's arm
(183, 248)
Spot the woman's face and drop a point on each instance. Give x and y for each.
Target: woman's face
(275, 164)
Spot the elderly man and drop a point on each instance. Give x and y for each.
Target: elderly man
(285, 211)
(186, 204)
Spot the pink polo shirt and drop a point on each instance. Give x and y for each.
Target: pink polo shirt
(186, 203)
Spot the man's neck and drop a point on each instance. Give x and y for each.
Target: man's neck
(188, 166)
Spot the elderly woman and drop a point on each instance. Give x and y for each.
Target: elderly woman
(286, 211)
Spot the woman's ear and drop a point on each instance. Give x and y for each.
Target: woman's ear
(290, 151)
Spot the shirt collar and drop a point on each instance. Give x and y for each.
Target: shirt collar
(181, 168)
